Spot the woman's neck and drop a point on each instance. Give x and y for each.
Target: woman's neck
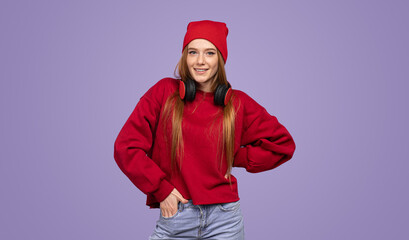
(206, 87)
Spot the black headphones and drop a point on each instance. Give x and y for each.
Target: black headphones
(187, 92)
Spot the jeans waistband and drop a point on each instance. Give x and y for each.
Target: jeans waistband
(189, 204)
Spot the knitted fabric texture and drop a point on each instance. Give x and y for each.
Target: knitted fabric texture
(215, 32)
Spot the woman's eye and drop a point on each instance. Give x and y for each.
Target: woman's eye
(211, 53)
(192, 52)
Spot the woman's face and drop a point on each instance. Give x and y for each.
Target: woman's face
(202, 62)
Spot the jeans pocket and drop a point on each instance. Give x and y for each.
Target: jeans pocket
(231, 206)
(180, 209)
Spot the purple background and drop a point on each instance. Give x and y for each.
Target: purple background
(334, 73)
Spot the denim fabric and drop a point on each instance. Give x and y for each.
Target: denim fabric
(216, 221)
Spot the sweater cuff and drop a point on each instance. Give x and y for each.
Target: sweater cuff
(165, 188)
(241, 158)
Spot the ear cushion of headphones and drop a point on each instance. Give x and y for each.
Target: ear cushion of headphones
(182, 90)
(222, 95)
(187, 90)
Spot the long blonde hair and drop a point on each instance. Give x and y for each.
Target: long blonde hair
(175, 103)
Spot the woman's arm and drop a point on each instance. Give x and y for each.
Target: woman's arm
(265, 143)
(134, 142)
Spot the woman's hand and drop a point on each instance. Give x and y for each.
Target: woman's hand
(169, 206)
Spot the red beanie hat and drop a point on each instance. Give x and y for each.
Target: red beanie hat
(215, 32)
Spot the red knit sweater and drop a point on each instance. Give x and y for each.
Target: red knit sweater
(142, 153)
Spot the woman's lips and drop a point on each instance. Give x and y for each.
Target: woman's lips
(200, 70)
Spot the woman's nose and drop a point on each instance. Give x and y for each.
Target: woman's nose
(200, 59)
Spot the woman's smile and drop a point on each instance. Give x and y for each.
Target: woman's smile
(200, 70)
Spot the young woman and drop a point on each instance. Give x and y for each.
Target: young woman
(185, 135)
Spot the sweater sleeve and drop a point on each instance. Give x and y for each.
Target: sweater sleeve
(265, 143)
(134, 142)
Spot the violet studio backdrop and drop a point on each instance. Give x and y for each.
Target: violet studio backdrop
(334, 73)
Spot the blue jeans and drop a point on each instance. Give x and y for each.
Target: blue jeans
(215, 221)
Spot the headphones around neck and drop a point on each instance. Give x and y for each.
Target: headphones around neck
(187, 92)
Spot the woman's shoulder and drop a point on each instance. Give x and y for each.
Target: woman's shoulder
(240, 94)
(167, 83)
(162, 88)
(243, 97)
(246, 104)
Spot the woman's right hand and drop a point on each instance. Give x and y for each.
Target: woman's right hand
(169, 206)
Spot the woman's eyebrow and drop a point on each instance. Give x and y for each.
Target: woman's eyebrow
(207, 49)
